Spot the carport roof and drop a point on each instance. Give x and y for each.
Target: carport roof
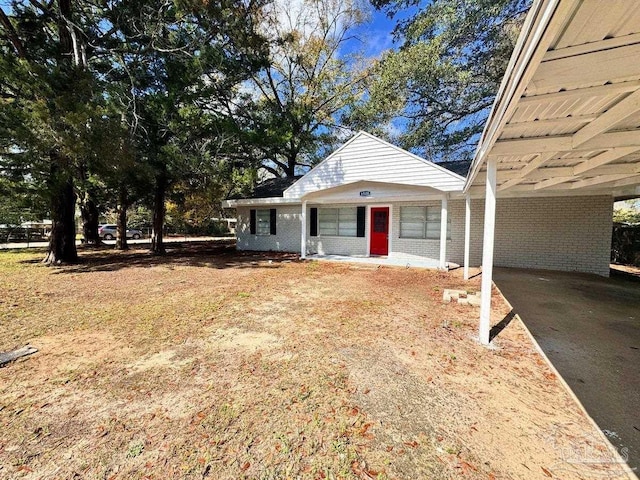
(567, 116)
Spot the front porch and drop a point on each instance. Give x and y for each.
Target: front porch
(382, 224)
(429, 263)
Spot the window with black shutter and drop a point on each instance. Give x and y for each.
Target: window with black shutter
(272, 221)
(360, 226)
(252, 221)
(313, 219)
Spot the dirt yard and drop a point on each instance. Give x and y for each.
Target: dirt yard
(211, 364)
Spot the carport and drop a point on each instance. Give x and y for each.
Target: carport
(589, 327)
(566, 122)
(567, 116)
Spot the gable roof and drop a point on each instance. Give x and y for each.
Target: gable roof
(366, 157)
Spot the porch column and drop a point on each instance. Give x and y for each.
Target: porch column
(487, 252)
(443, 234)
(303, 230)
(467, 235)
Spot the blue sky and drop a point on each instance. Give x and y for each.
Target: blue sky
(375, 36)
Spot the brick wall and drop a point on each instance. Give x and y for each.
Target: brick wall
(417, 247)
(557, 233)
(287, 238)
(328, 245)
(430, 248)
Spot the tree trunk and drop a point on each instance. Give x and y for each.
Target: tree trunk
(123, 204)
(290, 171)
(62, 241)
(90, 219)
(157, 243)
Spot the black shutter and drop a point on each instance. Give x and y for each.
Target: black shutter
(313, 227)
(272, 221)
(361, 214)
(252, 221)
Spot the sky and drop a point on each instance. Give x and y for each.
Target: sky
(374, 37)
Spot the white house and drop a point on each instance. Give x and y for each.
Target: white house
(371, 198)
(561, 143)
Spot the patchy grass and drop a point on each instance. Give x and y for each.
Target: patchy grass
(212, 364)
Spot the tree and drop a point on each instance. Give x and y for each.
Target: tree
(627, 211)
(288, 109)
(47, 105)
(20, 200)
(433, 94)
(173, 58)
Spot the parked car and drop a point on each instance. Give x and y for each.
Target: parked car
(109, 232)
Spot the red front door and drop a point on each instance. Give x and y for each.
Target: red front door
(379, 231)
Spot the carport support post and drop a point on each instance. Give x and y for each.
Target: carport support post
(443, 234)
(467, 235)
(487, 252)
(303, 230)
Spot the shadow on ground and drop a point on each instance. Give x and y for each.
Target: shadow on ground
(589, 327)
(207, 254)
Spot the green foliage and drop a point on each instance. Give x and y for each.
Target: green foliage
(627, 211)
(626, 215)
(433, 94)
(288, 110)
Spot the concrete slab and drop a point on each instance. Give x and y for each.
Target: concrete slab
(390, 261)
(589, 327)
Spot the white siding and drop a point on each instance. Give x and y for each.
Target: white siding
(366, 157)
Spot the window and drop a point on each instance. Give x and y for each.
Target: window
(263, 222)
(421, 222)
(341, 222)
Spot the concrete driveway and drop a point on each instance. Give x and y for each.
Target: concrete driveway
(589, 327)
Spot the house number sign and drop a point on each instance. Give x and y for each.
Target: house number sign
(365, 193)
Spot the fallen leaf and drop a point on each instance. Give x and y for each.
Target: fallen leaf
(546, 472)
(364, 428)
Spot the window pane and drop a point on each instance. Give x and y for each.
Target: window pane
(433, 214)
(263, 222)
(433, 229)
(412, 214)
(348, 222)
(412, 220)
(328, 221)
(380, 222)
(412, 230)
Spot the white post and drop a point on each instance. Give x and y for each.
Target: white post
(443, 234)
(303, 230)
(467, 235)
(487, 252)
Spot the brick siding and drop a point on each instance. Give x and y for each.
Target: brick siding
(556, 233)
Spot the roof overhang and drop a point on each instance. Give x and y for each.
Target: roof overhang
(248, 202)
(366, 191)
(567, 116)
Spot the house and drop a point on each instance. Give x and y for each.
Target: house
(371, 198)
(561, 143)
